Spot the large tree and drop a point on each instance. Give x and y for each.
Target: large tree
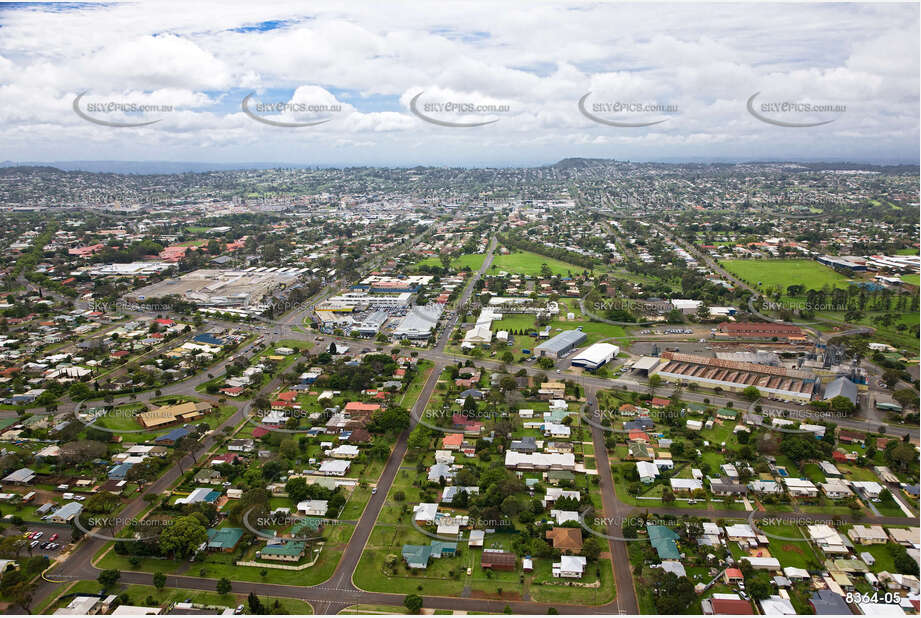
(183, 536)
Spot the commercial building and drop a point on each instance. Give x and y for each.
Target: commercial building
(420, 322)
(178, 413)
(762, 330)
(841, 387)
(562, 344)
(222, 287)
(595, 356)
(775, 382)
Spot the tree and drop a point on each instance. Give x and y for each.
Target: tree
(751, 393)
(655, 381)
(183, 536)
(591, 548)
(296, 488)
(109, 578)
(413, 602)
(224, 586)
(255, 605)
(159, 580)
(673, 594)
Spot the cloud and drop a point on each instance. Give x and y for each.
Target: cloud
(202, 59)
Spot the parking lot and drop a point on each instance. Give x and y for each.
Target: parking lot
(47, 539)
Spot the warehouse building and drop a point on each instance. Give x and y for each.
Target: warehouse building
(775, 382)
(762, 330)
(841, 387)
(595, 356)
(562, 344)
(420, 322)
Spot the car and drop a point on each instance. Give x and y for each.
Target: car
(39, 534)
(33, 544)
(559, 371)
(238, 610)
(373, 490)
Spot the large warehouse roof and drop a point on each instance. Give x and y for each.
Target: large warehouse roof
(566, 339)
(596, 354)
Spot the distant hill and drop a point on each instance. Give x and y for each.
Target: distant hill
(152, 167)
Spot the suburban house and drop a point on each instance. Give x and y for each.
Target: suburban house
(417, 556)
(292, 551)
(567, 540)
(498, 560)
(570, 567)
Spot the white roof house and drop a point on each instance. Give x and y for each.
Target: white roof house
(800, 487)
(686, 484)
(835, 489)
(776, 605)
(827, 539)
(425, 512)
(870, 488)
(569, 566)
(198, 495)
(335, 467)
(758, 562)
(562, 517)
(313, 507)
(740, 531)
(648, 471)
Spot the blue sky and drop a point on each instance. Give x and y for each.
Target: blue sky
(668, 82)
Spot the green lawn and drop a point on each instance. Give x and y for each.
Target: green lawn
(527, 263)
(912, 279)
(473, 260)
(140, 594)
(783, 273)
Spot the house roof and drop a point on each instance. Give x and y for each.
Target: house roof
(224, 538)
(566, 538)
(663, 540)
(498, 558)
(731, 607)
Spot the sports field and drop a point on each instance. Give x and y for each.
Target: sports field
(527, 263)
(473, 260)
(767, 273)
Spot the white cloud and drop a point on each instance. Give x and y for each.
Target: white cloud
(202, 58)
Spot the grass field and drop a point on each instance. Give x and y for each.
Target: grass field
(783, 273)
(473, 260)
(912, 279)
(527, 263)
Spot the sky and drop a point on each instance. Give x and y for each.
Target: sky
(536, 82)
